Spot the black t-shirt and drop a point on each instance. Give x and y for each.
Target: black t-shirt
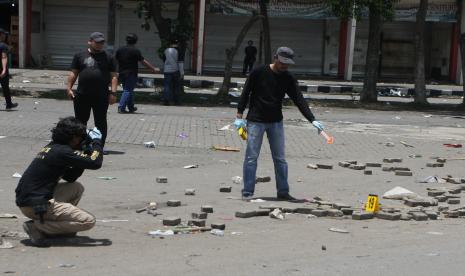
(53, 162)
(3, 49)
(128, 58)
(250, 52)
(264, 91)
(94, 71)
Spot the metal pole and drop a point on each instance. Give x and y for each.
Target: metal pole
(200, 38)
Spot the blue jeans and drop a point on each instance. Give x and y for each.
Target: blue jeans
(172, 85)
(129, 82)
(275, 134)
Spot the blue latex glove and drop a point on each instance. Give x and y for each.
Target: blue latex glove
(238, 123)
(94, 133)
(318, 126)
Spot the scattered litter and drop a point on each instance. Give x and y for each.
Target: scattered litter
(66, 265)
(5, 244)
(428, 116)
(237, 233)
(277, 214)
(432, 179)
(9, 216)
(182, 135)
(149, 144)
(337, 230)
(226, 127)
(311, 216)
(106, 177)
(453, 145)
(1, 137)
(26, 81)
(435, 233)
(217, 232)
(191, 166)
(405, 144)
(389, 144)
(258, 200)
(112, 220)
(16, 175)
(399, 193)
(415, 156)
(161, 233)
(236, 179)
(226, 148)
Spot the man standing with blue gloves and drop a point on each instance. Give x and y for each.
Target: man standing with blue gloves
(264, 90)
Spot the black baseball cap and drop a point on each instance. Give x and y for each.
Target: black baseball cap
(285, 55)
(97, 37)
(3, 31)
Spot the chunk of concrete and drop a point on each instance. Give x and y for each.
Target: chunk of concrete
(335, 213)
(392, 160)
(432, 215)
(245, 214)
(400, 169)
(344, 164)
(441, 198)
(319, 212)
(419, 216)
(189, 192)
(218, 225)
(171, 221)
(388, 216)
(435, 193)
(388, 169)
(304, 210)
(454, 180)
(196, 222)
(277, 214)
(206, 209)
(361, 215)
(173, 203)
(324, 166)
(262, 179)
(225, 189)
(289, 209)
(404, 173)
(199, 215)
(357, 167)
(405, 216)
(367, 172)
(453, 201)
(312, 166)
(425, 202)
(347, 211)
(441, 160)
(262, 213)
(162, 179)
(339, 205)
(373, 165)
(435, 165)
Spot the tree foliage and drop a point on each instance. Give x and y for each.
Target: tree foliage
(358, 9)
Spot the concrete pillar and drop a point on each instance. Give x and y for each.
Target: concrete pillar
(459, 78)
(200, 37)
(349, 58)
(22, 13)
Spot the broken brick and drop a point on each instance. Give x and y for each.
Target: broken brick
(171, 221)
(374, 165)
(245, 214)
(362, 215)
(173, 203)
(325, 167)
(206, 209)
(367, 172)
(196, 222)
(388, 216)
(404, 173)
(199, 215)
(225, 189)
(219, 226)
(162, 179)
(262, 179)
(453, 201)
(419, 216)
(387, 169)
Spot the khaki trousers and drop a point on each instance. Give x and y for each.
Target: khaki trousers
(63, 217)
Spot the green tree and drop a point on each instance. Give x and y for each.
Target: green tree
(378, 10)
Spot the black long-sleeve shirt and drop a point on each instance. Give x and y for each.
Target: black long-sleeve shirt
(264, 90)
(53, 162)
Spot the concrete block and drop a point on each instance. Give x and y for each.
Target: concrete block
(324, 166)
(388, 169)
(196, 222)
(304, 210)
(288, 210)
(388, 216)
(435, 193)
(262, 213)
(404, 216)
(206, 209)
(454, 180)
(451, 214)
(173, 203)
(441, 160)
(347, 211)
(162, 179)
(335, 213)
(419, 216)
(461, 212)
(453, 201)
(339, 205)
(199, 215)
(190, 192)
(441, 198)
(392, 160)
(225, 189)
(245, 214)
(404, 173)
(344, 164)
(400, 169)
(455, 191)
(432, 215)
(435, 165)
(319, 212)
(367, 172)
(353, 162)
(218, 225)
(357, 167)
(361, 215)
(373, 165)
(171, 221)
(262, 179)
(424, 202)
(443, 208)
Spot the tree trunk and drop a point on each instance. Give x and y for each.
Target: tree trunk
(230, 53)
(111, 22)
(163, 24)
(369, 93)
(462, 42)
(266, 30)
(420, 86)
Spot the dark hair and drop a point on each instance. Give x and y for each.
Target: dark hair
(131, 38)
(250, 42)
(66, 129)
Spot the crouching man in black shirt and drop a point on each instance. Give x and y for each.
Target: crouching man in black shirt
(49, 202)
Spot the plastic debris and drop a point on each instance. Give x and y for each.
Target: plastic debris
(182, 135)
(277, 214)
(432, 179)
(226, 127)
(337, 230)
(17, 175)
(106, 177)
(5, 244)
(9, 216)
(258, 200)
(236, 179)
(161, 233)
(66, 265)
(399, 193)
(191, 166)
(149, 144)
(217, 232)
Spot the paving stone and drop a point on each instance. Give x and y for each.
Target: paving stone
(324, 166)
(344, 164)
(432, 215)
(199, 215)
(262, 179)
(404, 216)
(351, 161)
(454, 180)
(312, 166)
(387, 169)
(367, 172)
(419, 216)
(319, 212)
(196, 222)
(262, 213)
(225, 189)
(441, 198)
(449, 195)
(425, 202)
(358, 167)
(404, 173)
(206, 209)
(339, 205)
(374, 165)
(189, 192)
(455, 191)
(218, 225)
(335, 213)
(443, 208)
(392, 160)
(400, 169)
(451, 214)
(453, 201)
(304, 210)
(441, 160)
(162, 179)
(362, 215)
(173, 203)
(171, 221)
(289, 210)
(245, 214)
(390, 210)
(435, 193)
(347, 211)
(435, 165)
(461, 212)
(388, 216)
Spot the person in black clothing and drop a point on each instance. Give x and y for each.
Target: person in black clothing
(264, 91)
(250, 57)
(49, 202)
(96, 70)
(4, 75)
(128, 58)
